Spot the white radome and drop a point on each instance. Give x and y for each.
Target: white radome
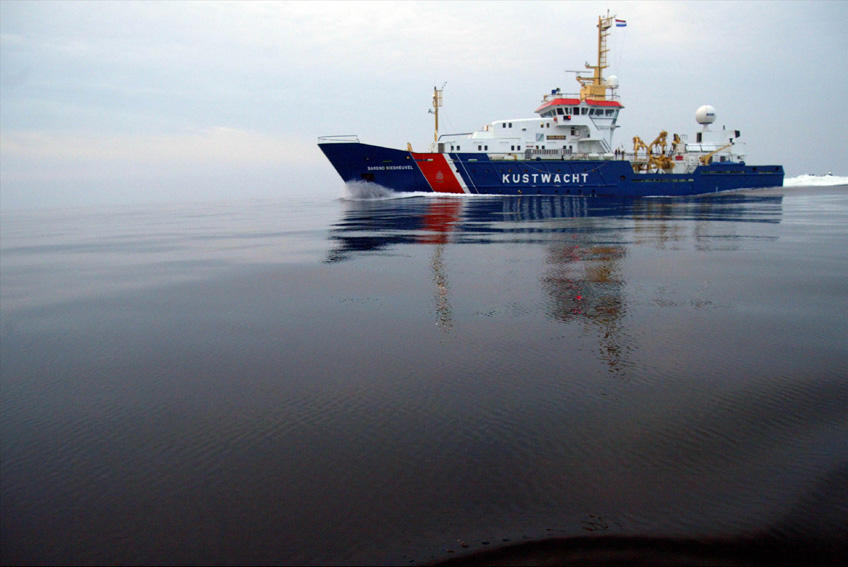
(705, 115)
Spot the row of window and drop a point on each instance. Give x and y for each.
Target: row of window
(541, 124)
(485, 148)
(576, 110)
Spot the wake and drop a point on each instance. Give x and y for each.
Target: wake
(815, 181)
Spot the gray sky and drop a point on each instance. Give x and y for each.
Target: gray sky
(122, 102)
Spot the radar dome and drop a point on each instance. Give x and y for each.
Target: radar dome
(612, 82)
(705, 115)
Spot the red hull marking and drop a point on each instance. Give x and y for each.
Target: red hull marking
(438, 173)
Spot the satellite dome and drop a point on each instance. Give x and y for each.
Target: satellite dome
(705, 115)
(612, 82)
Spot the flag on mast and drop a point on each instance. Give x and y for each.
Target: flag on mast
(620, 23)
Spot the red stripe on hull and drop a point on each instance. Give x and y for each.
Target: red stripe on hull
(438, 173)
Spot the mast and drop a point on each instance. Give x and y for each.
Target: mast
(437, 102)
(594, 88)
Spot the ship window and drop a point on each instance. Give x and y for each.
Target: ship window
(479, 148)
(486, 148)
(559, 111)
(503, 125)
(585, 111)
(510, 124)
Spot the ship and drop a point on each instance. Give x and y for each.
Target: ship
(567, 149)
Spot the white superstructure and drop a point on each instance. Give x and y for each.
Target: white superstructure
(581, 126)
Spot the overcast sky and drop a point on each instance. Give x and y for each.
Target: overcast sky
(112, 102)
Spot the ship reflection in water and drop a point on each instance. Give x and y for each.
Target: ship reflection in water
(581, 272)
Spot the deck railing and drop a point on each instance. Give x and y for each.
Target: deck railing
(339, 138)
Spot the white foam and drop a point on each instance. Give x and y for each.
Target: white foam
(815, 180)
(369, 191)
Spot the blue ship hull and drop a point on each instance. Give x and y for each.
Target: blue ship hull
(475, 173)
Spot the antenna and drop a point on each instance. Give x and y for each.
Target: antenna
(437, 102)
(594, 88)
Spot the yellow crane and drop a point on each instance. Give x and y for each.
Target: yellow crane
(706, 159)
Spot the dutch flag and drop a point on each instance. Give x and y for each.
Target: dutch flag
(620, 23)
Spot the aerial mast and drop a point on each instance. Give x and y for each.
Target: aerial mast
(594, 88)
(437, 102)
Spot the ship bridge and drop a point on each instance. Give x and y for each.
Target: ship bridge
(567, 127)
(564, 107)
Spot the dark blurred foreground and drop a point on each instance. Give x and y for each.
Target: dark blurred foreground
(616, 550)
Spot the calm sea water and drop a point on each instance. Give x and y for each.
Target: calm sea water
(388, 381)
